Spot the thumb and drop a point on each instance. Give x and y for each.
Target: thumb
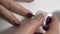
(54, 26)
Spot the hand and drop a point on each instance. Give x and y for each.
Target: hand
(32, 26)
(7, 7)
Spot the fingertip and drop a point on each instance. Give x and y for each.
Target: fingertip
(51, 22)
(17, 24)
(14, 22)
(54, 23)
(29, 15)
(47, 23)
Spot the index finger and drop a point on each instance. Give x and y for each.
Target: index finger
(31, 26)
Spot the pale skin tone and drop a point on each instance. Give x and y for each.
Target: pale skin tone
(32, 26)
(9, 6)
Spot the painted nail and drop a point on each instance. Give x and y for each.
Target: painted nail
(29, 15)
(48, 21)
(17, 24)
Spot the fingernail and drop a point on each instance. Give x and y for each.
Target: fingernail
(29, 15)
(16, 24)
(48, 21)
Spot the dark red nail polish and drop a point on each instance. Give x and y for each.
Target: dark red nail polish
(48, 21)
(29, 15)
(17, 24)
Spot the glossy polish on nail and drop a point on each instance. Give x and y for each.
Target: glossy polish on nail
(48, 21)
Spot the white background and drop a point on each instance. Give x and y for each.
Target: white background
(37, 5)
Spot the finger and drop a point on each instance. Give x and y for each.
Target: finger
(11, 5)
(54, 26)
(31, 26)
(9, 16)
